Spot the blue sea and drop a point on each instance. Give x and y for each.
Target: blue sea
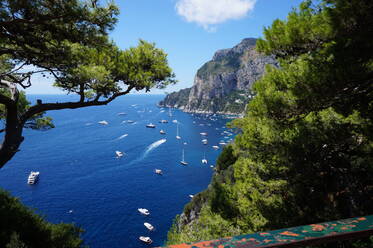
(82, 182)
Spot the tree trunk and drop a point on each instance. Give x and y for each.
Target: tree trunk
(13, 135)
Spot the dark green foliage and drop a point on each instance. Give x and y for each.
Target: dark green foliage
(68, 42)
(21, 228)
(305, 154)
(225, 159)
(228, 63)
(179, 98)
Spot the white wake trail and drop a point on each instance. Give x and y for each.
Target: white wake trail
(154, 145)
(123, 136)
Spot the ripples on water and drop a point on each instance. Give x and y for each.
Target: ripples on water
(82, 181)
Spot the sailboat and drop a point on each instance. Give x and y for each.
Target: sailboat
(183, 162)
(177, 131)
(204, 160)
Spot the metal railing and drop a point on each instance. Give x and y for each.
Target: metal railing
(296, 236)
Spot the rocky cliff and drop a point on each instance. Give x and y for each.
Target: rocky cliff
(223, 84)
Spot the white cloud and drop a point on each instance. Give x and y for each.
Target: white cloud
(208, 13)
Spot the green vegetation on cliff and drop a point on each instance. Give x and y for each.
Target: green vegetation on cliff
(305, 154)
(22, 228)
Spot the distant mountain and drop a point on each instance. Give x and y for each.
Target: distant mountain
(223, 85)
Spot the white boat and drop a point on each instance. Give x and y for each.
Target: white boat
(33, 177)
(222, 143)
(163, 121)
(149, 226)
(177, 131)
(130, 121)
(150, 125)
(204, 141)
(103, 122)
(204, 160)
(183, 162)
(191, 196)
(146, 239)
(119, 154)
(174, 121)
(143, 211)
(121, 113)
(162, 131)
(203, 134)
(215, 147)
(158, 171)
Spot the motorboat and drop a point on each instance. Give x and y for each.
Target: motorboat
(203, 134)
(158, 171)
(174, 121)
(121, 113)
(130, 121)
(191, 196)
(119, 154)
(222, 143)
(183, 162)
(149, 226)
(163, 121)
(33, 177)
(103, 122)
(143, 211)
(162, 131)
(150, 125)
(146, 239)
(204, 141)
(215, 147)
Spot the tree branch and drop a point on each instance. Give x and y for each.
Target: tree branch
(39, 108)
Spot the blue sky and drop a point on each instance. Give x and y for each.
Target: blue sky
(189, 31)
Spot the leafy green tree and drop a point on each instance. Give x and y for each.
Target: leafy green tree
(67, 41)
(21, 228)
(305, 154)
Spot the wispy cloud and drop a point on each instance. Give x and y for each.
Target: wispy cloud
(209, 13)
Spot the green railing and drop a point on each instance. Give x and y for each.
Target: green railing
(296, 236)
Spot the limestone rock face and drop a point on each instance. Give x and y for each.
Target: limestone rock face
(219, 83)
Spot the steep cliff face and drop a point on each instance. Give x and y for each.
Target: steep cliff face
(223, 84)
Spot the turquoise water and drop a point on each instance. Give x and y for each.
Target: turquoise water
(82, 181)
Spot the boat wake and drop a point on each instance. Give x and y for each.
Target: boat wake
(153, 146)
(123, 136)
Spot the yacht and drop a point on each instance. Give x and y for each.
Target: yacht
(177, 131)
(146, 239)
(162, 131)
(119, 154)
(204, 160)
(143, 211)
(33, 177)
(158, 171)
(183, 162)
(204, 141)
(149, 226)
(103, 122)
(215, 147)
(150, 125)
(191, 196)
